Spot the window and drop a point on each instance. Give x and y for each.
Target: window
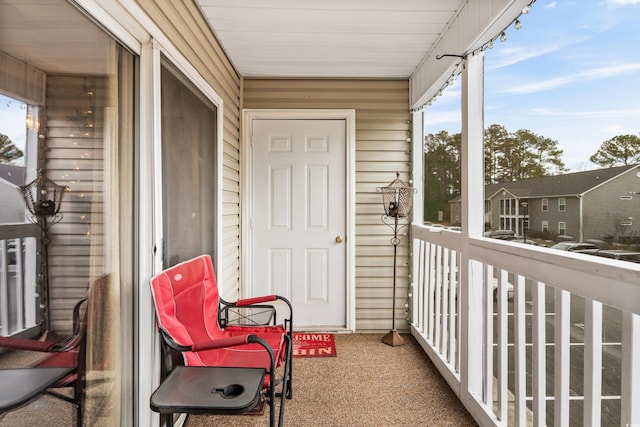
(545, 226)
(562, 204)
(545, 205)
(562, 228)
(188, 165)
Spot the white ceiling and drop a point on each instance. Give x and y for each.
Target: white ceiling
(53, 36)
(328, 38)
(268, 38)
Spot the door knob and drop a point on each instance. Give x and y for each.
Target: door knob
(339, 239)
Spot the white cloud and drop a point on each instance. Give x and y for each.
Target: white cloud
(551, 5)
(614, 130)
(513, 55)
(630, 112)
(585, 75)
(623, 2)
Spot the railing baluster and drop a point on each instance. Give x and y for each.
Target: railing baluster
(430, 291)
(20, 286)
(488, 335)
(503, 360)
(437, 302)
(446, 291)
(539, 358)
(561, 375)
(4, 289)
(592, 362)
(453, 311)
(520, 367)
(418, 290)
(631, 369)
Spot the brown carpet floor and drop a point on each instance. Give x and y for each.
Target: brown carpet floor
(367, 384)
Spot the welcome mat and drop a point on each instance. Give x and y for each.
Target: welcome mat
(309, 344)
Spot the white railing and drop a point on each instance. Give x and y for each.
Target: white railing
(18, 294)
(528, 335)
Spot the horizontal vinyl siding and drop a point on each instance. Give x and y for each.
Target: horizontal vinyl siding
(382, 148)
(183, 24)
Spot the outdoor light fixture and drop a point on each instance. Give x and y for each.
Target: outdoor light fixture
(524, 205)
(397, 199)
(43, 198)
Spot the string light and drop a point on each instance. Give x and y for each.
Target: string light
(488, 45)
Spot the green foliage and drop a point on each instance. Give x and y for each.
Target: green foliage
(619, 150)
(507, 157)
(8, 151)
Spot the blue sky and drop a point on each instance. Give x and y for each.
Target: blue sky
(572, 74)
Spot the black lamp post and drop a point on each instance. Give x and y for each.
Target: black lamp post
(397, 199)
(43, 198)
(524, 205)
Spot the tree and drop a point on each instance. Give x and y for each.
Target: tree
(621, 149)
(519, 155)
(8, 151)
(441, 173)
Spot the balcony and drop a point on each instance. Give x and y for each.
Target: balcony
(562, 351)
(547, 339)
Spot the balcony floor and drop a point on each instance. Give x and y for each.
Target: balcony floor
(367, 384)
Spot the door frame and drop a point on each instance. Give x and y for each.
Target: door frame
(246, 167)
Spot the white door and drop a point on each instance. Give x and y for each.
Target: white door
(299, 217)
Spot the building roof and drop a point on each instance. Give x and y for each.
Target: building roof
(570, 184)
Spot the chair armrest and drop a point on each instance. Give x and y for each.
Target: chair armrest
(27, 344)
(222, 342)
(247, 302)
(255, 300)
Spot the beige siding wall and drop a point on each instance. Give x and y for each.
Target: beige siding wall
(184, 26)
(382, 148)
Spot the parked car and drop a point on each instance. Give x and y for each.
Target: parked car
(620, 254)
(584, 248)
(501, 234)
(529, 241)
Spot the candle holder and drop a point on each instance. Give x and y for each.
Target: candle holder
(43, 198)
(397, 199)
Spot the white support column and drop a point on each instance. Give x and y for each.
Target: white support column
(472, 225)
(417, 182)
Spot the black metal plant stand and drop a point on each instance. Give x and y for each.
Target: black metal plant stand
(43, 198)
(397, 199)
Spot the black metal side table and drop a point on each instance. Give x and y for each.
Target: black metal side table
(208, 390)
(21, 385)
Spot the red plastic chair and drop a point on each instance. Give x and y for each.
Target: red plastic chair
(188, 315)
